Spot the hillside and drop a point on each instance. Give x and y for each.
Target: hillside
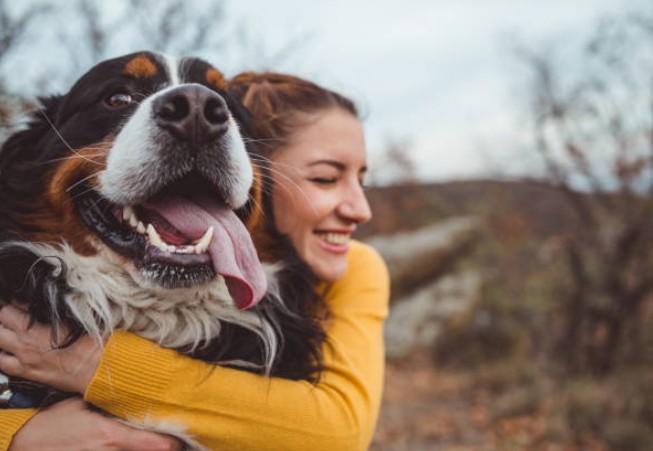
(539, 207)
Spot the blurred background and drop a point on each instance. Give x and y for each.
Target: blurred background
(511, 177)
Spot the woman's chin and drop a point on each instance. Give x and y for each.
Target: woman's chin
(330, 269)
(327, 261)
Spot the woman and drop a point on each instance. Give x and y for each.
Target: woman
(314, 142)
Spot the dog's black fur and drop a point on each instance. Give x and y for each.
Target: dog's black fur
(73, 121)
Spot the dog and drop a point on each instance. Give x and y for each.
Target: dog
(127, 204)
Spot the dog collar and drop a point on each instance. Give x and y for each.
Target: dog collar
(5, 391)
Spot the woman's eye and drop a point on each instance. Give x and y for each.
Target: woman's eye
(323, 180)
(119, 100)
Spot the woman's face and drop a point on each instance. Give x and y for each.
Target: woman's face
(317, 196)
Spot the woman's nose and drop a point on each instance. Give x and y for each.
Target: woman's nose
(354, 206)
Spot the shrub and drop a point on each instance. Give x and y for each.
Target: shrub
(628, 435)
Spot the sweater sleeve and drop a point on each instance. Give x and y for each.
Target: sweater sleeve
(224, 408)
(11, 420)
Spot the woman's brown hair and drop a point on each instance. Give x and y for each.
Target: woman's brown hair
(279, 103)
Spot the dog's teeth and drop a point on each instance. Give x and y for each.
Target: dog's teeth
(155, 238)
(129, 216)
(203, 243)
(185, 249)
(127, 213)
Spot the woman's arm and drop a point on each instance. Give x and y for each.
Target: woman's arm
(70, 425)
(229, 409)
(11, 420)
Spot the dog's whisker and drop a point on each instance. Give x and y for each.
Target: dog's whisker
(79, 182)
(74, 157)
(61, 137)
(292, 183)
(261, 140)
(269, 163)
(82, 194)
(258, 206)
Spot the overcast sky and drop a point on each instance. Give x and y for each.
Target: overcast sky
(437, 72)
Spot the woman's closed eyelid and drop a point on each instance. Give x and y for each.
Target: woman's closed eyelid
(323, 180)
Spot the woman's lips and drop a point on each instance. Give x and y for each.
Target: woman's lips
(334, 242)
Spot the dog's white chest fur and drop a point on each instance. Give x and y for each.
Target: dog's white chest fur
(104, 296)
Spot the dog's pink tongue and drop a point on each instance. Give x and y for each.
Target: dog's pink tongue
(232, 251)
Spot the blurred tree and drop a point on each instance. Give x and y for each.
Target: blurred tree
(395, 164)
(52, 46)
(100, 30)
(395, 168)
(592, 124)
(166, 26)
(15, 24)
(43, 49)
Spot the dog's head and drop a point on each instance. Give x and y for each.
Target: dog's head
(142, 161)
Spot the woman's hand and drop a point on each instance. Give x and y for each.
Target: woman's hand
(28, 352)
(70, 425)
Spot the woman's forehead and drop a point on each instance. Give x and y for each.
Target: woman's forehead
(335, 136)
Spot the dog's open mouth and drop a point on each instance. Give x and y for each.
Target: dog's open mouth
(164, 236)
(182, 237)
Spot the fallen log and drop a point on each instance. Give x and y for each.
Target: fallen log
(419, 257)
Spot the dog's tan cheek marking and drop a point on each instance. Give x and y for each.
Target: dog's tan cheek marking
(56, 218)
(255, 217)
(266, 246)
(215, 78)
(140, 67)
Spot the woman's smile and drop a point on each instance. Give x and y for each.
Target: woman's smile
(334, 242)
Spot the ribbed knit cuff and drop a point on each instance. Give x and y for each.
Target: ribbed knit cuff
(130, 376)
(11, 421)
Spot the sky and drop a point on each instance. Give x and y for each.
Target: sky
(440, 75)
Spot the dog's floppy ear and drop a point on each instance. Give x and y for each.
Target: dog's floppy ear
(241, 114)
(21, 166)
(21, 146)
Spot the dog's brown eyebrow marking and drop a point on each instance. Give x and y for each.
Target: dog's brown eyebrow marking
(216, 79)
(140, 67)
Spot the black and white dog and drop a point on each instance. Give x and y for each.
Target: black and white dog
(127, 204)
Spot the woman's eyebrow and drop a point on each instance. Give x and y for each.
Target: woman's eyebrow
(336, 164)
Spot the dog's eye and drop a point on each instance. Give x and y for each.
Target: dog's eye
(119, 100)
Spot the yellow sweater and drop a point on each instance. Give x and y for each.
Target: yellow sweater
(224, 408)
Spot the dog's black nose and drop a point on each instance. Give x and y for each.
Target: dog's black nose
(192, 113)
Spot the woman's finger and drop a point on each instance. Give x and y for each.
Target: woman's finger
(14, 318)
(17, 319)
(28, 333)
(10, 365)
(8, 340)
(33, 354)
(20, 305)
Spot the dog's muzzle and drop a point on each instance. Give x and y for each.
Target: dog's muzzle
(192, 113)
